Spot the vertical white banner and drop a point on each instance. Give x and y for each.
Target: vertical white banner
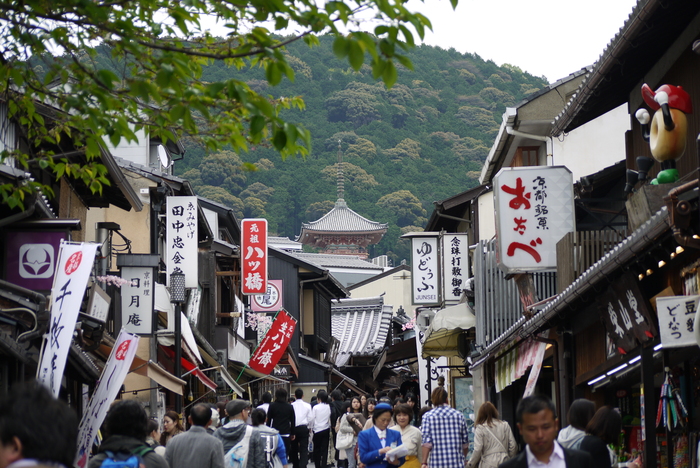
(137, 300)
(425, 276)
(181, 239)
(455, 265)
(106, 392)
(677, 320)
(75, 261)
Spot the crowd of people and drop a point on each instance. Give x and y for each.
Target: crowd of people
(381, 431)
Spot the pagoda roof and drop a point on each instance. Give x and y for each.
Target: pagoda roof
(342, 219)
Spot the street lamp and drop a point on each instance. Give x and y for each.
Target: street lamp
(177, 297)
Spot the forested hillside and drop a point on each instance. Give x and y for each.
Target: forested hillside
(423, 140)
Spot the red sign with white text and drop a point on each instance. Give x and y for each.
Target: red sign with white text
(254, 256)
(274, 343)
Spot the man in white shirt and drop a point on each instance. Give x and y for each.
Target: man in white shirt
(321, 427)
(538, 425)
(303, 416)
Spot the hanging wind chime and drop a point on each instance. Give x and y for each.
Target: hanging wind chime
(672, 410)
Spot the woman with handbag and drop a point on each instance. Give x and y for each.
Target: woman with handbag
(493, 439)
(350, 425)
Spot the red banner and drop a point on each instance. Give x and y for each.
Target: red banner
(254, 256)
(274, 343)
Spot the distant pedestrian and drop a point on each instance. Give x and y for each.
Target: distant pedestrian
(411, 437)
(196, 447)
(126, 428)
(538, 426)
(281, 416)
(445, 436)
(275, 452)
(602, 430)
(494, 442)
(367, 413)
(374, 443)
(580, 413)
(267, 399)
(172, 426)
(321, 427)
(236, 430)
(153, 438)
(303, 416)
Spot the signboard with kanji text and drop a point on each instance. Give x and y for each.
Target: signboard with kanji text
(534, 210)
(455, 261)
(425, 270)
(181, 239)
(274, 343)
(677, 320)
(254, 256)
(137, 300)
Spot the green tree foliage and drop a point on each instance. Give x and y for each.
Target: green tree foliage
(404, 207)
(222, 196)
(419, 140)
(406, 149)
(112, 69)
(316, 210)
(224, 170)
(259, 191)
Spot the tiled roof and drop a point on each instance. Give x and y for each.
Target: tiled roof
(343, 219)
(361, 326)
(337, 261)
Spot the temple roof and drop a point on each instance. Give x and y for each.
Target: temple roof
(342, 219)
(361, 326)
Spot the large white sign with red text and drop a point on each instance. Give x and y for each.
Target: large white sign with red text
(534, 210)
(73, 269)
(254, 256)
(107, 390)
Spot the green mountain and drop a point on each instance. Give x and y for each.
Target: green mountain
(423, 140)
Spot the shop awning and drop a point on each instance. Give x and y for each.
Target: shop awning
(442, 336)
(190, 368)
(225, 376)
(159, 375)
(151, 370)
(347, 382)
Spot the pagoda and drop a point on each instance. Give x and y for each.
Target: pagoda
(341, 231)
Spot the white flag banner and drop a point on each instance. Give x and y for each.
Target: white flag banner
(75, 261)
(106, 392)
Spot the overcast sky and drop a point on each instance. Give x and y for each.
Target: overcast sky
(550, 38)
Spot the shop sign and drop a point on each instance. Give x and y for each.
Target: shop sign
(626, 314)
(534, 210)
(425, 277)
(274, 343)
(181, 239)
(269, 302)
(254, 256)
(30, 258)
(677, 320)
(74, 265)
(282, 371)
(455, 261)
(137, 299)
(107, 390)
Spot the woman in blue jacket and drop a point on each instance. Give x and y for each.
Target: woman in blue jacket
(375, 442)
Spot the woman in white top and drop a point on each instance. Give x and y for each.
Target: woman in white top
(411, 437)
(322, 429)
(493, 439)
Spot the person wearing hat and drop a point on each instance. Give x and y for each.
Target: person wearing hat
(374, 443)
(236, 429)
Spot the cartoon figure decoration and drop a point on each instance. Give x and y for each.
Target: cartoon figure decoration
(665, 131)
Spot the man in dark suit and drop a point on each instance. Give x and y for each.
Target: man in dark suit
(539, 426)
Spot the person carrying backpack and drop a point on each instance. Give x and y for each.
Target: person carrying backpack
(243, 446)
(275, 451)
(126, 427)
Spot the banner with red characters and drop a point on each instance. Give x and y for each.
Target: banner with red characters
(107, 390)
(274, 343)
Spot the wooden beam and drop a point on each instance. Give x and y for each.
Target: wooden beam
(228, 273)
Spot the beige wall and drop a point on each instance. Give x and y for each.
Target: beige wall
(487, 218)
(135, 225)
(397, 287)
